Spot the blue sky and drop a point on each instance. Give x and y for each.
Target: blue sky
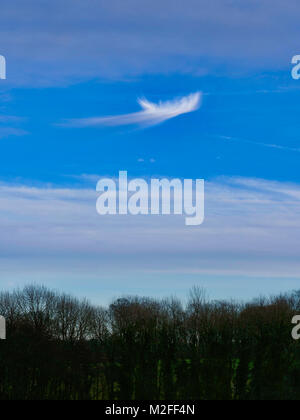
(260, 109)
(83, 59)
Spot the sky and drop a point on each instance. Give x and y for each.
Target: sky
(69, 115)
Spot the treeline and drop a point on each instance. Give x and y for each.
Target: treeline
(62, 348)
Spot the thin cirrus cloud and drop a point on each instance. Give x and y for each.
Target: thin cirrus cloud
(257, 143)
(150, 115)
(11, 131)
(58, 235)
(97, 38)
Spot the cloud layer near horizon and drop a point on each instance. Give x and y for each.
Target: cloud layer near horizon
(151, 114)
(252, 229)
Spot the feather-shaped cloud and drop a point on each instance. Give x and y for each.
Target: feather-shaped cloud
(151, 113)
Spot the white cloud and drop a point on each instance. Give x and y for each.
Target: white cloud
(65, 41)
(252, 228)
(11, 131)
(249, 243)
(6, 125)
(150, 115)
(261, 144)
(10, 118)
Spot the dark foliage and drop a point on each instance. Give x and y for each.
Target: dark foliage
(60, 348)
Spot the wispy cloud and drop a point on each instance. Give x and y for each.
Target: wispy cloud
(250, 240)
(151, 113)
(257, 143)
(166, 37)
(252, 228)
(11, 118)
(11, 131)
(8, 126)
